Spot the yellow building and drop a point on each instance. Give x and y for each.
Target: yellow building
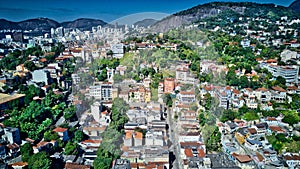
(240, 138)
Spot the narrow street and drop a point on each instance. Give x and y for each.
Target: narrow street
(175, 147)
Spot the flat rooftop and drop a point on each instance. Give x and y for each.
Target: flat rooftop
(7, 98)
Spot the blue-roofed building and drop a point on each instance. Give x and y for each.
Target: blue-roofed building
(253, 145)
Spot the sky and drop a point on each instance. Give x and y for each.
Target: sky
(106, 10)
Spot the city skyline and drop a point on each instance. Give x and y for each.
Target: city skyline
(67, 10)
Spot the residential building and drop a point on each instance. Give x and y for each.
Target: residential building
(252, 144)
(289, 73)
(243, 161)
(121, 70)
(140, 94)
(5, 99)
(90, 145)
(223, 94)
(12, 135)
(182, 73)
(118, 50)
(19, 165)
(2, 151)
(75, 79)
(128, 139)
(121, 164)
(96, 110)
(160, 89)
(169, 85)
(21, 68)
(44, 146)
(187, 96)
(250, 99)
(69, 165)
(292, 160)
(41, 76)
(62, 133)
(189, 137)
(278, 94)
(245, 43)
(155, 138)
(138, 138)
(94, 131)
(263, 95)
(103, 91)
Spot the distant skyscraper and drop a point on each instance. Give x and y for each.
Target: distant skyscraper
(116, 25)
(52, 32)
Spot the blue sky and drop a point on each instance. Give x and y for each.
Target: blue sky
(107, 10)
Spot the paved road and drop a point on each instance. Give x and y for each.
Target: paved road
(173, 136)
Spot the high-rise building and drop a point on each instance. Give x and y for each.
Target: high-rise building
(103, 91)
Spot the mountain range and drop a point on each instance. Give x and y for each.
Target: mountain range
(192, 15)
(145, 23)
(45, 24)
(247, 9)
(295, 6)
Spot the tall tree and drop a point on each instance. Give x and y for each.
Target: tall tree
(39, 161)
(26, 151)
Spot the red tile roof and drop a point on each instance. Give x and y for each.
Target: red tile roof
(138, 135)
(262, 89)
(252, 130)
(292, 157)
(276, 129)
(271, 119)
(187, 93)
(76, 166)
(91, 141)
(43, 60)
(292, 88)
(191, 144)
(208, 88)
(60, 129)
(128, 135)
(259, 156)
(235, 91)
(201, 153)
(271, 61)
(242, 158)
(188, 152)
(19, 164)
(277, 88)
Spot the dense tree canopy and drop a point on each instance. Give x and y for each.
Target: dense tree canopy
(39, 161)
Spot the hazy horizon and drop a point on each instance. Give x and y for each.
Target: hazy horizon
(66, 10)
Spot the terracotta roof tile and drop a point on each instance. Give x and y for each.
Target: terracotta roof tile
(191, 144)
(60, 129)
(292, 88)
(277, 88)
(276, 129)
(19, 164)
(188, 152)
(292, 157)
(138, 135)
(91, 141)
(242, 158)
(262, 89)
(128, 135)
(252, 130)
(76, 166)
(271, 119)
(201, 153)
(259, 156)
